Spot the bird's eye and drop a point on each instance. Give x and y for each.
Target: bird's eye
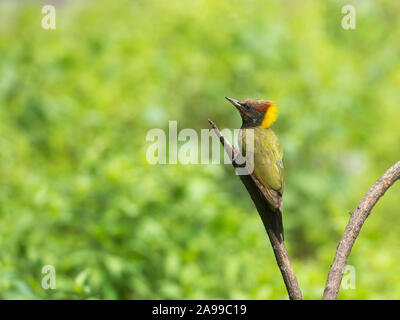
(247, 106)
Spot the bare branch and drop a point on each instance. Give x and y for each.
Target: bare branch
(258, 195)
(357, 219)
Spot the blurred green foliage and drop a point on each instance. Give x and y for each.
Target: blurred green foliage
(76, 191)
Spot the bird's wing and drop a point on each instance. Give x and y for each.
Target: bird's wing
(267, 154)
(268, 166)
(268, 170)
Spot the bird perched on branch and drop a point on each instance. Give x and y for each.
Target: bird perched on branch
(259, 115)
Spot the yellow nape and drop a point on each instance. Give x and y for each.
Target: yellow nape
(270, 116)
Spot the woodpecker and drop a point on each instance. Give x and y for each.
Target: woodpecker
(259, 115)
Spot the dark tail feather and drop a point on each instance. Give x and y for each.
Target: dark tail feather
(268, 204)
(274, 220)
(278, 227)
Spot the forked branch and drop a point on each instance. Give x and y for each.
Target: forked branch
(357, 219)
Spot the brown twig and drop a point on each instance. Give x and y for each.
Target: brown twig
(257, 194)
(357, 219)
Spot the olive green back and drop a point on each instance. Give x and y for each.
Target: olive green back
(267, 157)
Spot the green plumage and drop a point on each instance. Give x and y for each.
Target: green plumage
(267, 157)
(258, 115)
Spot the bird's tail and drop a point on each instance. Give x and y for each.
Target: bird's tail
(278, 225)
(274, 220)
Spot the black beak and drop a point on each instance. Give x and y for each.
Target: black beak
(236, 103)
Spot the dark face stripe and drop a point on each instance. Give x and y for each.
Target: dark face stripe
(253, 116)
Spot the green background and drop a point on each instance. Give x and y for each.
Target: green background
(76, 103)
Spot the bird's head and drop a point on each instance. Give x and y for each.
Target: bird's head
(256, 112)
